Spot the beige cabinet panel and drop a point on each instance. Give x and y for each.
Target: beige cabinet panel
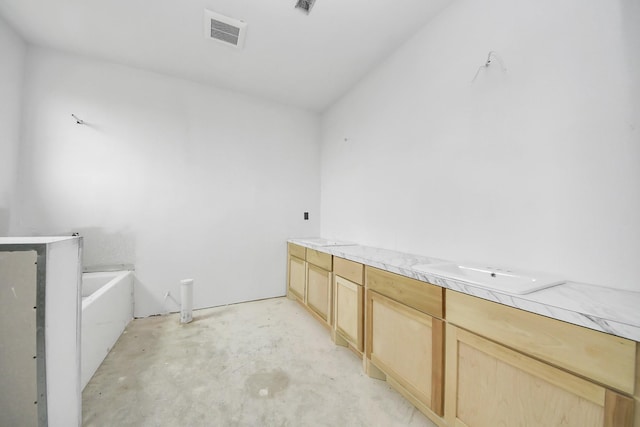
(490, 385)
(297, 277)
(319, 291)
(605, 358)
(406, 345)
(411, 292)
(349, 270)
(321, 259)
(296, 250)
(349, 300)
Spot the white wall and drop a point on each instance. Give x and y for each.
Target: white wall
(537, 167)
(180, 179)
(63, 332)
(12, 53)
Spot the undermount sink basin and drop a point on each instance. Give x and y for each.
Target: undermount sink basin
(503, 280)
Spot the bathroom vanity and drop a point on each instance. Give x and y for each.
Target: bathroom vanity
(468, 356)
(310, 278)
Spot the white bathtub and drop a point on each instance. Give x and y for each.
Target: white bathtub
(107, 308)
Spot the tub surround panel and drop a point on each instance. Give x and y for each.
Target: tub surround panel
(106, 312)
(602, 309)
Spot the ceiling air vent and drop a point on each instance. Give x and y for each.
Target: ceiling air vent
(224, 29)
(305, 5)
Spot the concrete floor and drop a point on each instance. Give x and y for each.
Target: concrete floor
(262, 363)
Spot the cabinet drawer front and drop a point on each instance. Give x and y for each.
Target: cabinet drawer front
(349, 302)
(414, 293)
(320, 259)
(602, 357)
(350, 270)
(295, 250)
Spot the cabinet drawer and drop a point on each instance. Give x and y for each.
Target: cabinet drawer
(602, 357)
(523, 391)
(350, 270)
(422, 296)
(320, 259)
(295, 250)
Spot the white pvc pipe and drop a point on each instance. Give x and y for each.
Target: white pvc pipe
(186, 298)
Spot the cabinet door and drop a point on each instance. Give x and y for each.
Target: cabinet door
(406, 344)
(490, 385)
(348, 310)
(297, 277)
(604, 358)
(319, 291)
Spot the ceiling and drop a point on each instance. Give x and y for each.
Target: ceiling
(308, 61)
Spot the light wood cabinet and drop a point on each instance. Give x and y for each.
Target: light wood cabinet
(403, 342)
(320, 259)
(296, 272)
(348, 300)
(309, 280)
(422, 296)
(604, 358)
(348, 303)
(490, 385)
(319, 291)
(510, 367)
(297, 277)
(504, 366)
(296, 250)
(350, 270)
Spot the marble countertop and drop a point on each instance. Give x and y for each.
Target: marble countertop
(609, 310)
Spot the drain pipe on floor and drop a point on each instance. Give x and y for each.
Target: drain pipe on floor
(186, 299)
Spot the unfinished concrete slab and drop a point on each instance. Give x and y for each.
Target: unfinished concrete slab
(261, 363)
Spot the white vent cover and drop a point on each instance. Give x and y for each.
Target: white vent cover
(226, 30)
